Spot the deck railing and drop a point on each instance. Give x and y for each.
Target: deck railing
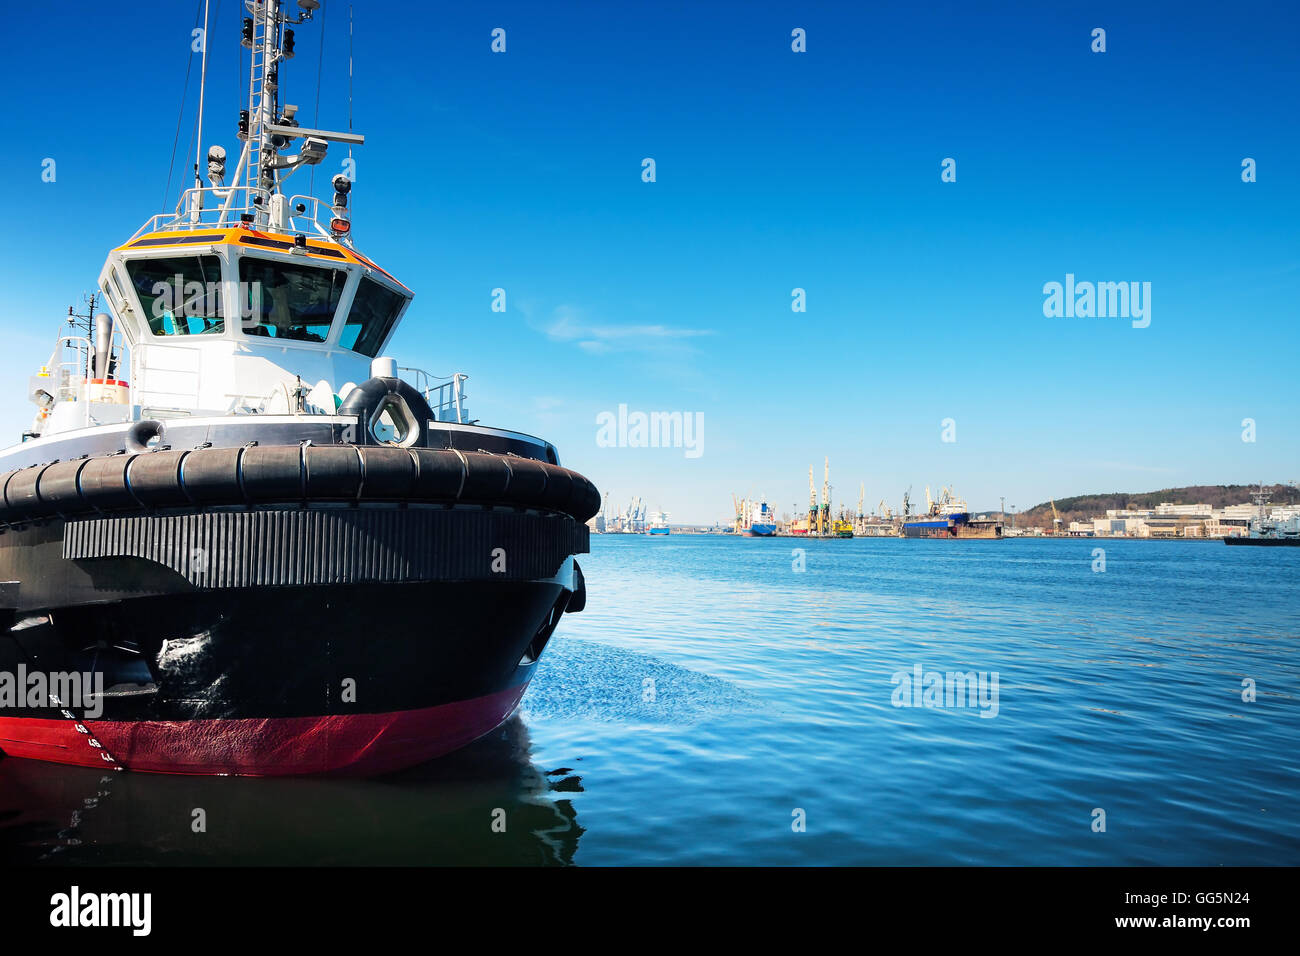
(445, 394)
(224, 206)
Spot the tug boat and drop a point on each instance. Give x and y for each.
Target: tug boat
(257, 565)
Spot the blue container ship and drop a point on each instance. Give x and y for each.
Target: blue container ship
(760, 521)
(658, 523)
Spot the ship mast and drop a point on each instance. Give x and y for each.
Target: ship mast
(1261, 501)
(267, 129)
(203, 83)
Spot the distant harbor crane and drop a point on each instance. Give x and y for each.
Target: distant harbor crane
(824, 516)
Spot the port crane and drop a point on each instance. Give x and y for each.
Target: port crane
(812, 501)
(1056, 518)
(635, 516)
(824, 516)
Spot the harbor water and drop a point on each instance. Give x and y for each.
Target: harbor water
(729, 700)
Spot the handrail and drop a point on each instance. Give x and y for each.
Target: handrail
(193, 212)
(449, 390)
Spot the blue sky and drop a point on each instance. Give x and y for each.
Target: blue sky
(775, 170)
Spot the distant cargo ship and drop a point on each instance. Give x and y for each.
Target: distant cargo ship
(949, 517)
(658, 523)
(762, 521)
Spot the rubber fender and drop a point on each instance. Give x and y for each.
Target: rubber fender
(441, 474)
(487, 477)
(210, 475)
(290, 473)
(272, 472)
(104, 483)
(20, 492)
(155, 478)
(59, 486)
(388, 472)
(584, 497)
(559, 488)
(528, 479)
(333, 471)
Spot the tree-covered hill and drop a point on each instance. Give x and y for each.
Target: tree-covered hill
(1083, 507)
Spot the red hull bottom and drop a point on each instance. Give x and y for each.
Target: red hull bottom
(346, 744)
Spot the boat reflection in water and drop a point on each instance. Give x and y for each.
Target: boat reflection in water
(440, 812)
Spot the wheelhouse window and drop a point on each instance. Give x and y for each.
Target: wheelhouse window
(180, 295)
(288, 301)
(373, 312)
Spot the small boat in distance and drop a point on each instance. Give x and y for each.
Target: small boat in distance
(658, 523)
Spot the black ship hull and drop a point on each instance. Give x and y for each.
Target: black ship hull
(355, 679)
(279, 609)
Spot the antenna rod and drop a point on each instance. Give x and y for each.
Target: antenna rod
(349, 72)
(203, 77)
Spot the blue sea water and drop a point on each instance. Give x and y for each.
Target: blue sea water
(714, 705)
